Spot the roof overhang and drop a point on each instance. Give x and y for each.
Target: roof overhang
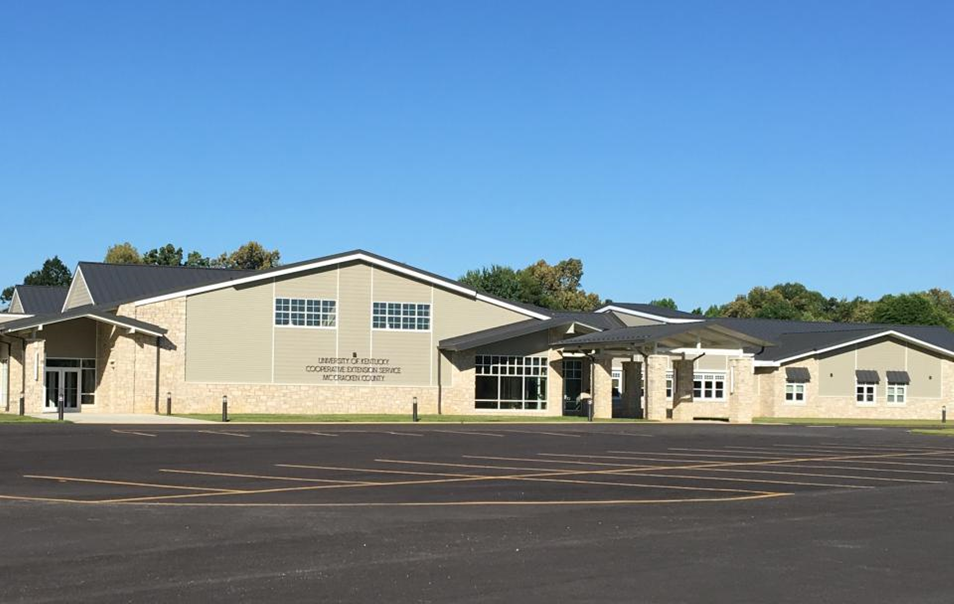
(645, 315)
(39, 322)
(341, 259)
(503, 333)
(668, 338)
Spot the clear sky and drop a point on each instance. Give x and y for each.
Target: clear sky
(684, 149)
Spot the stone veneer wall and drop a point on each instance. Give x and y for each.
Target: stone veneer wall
(15, 365)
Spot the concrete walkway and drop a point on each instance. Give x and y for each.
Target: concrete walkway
(121, 418)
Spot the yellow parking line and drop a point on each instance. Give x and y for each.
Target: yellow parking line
(869, 448)
(128, 484)
(884, 470)
(266, 477)
(223, 433)
(133, 432)
(560, 461)
(367, 471)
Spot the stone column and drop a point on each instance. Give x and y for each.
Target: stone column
(632, 373)
(682, 380)
(35, 359)
(656, 404)
(554, 382)
(602, 387)
(742, 395)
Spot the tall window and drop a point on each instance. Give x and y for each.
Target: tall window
(617, 383)
(88, 382)
(708, 386)
(865, 392)
(511, 382)
(897, 393)
(401, 315)
(669, 386)
(795, 392)
(305, 312)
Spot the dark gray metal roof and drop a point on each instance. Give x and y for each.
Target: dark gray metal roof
(530, 326)
(41, 299)
(660, 311)
(683, 334)
(113, 284)
(897, 377)
(82, 312)
(798, 374)
(867, 376)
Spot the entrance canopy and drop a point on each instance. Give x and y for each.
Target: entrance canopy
(648, 338)
(86, 312)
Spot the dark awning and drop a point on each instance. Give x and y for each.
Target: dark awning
(798, 374)
(898, 377)
(867, 376)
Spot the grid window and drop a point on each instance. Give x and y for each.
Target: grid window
(897, 393)
(669, 386)
(402, 316)
(511, 382)
(305, 312)
(865, 393)
(794, 392)
(708, 386)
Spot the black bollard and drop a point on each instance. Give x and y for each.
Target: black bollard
(225, 408)
(22, 404)
(59, 406)
(414, 416)
(943, 414)
(168, 403)
(589, 410)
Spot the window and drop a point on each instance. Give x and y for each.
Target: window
(708, 386)
(794, 392)
(305, 312)
(88, 382)
(400, 315)
(572, 379)
(669, 386)
(865, 392)
(617, 383)
(510, 382)
(897, 393)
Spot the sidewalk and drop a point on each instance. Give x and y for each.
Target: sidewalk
(121, 418)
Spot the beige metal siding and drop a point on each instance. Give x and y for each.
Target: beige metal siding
(299, 347)
(712, 362)
(72, 339)
(321, 285)
(229, 335)
(632, 321)
(836, 374)
(924, 368)
(354, 310)
(15, 305)
(408, 351)
(881, 355)
(391, 287)
(79, 293)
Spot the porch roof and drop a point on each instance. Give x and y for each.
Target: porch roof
(678, 335)
(83, 312)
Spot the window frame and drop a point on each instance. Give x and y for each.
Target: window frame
(401, 319)
(794, 389)
(713, 376)
(321, 313)
(526, 368)
(866, 390)
(897, 391)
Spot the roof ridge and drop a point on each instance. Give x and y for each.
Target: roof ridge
(142, 265)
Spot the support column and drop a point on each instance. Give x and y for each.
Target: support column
(656, 404)
(683, 376)
(602, 387)
(632, 374)
(34, 358)
(742, 395)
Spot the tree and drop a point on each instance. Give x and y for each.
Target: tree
(496, 280)
(167, 255)
(52, 273)
(122, 253)
(251, 256)
(560, 284)
(195, 259)
(666, 303)
(908, 309)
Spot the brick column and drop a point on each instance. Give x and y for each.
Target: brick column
(632, 373)
(683, 377)
(554, 383)
(742, 395)
(35, 360)
(602, 387)
(656, 404)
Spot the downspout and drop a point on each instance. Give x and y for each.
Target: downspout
(158, 350)
(440, 389)
(645, 385)
(9, 353)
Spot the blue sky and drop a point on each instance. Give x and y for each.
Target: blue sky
(684, 149)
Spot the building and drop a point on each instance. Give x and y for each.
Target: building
(360, 333)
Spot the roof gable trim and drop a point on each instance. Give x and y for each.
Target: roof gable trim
(645, 315)
(358, 256)
(881, 334)
(76, 276)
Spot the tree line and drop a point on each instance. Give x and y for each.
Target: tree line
(559, 287)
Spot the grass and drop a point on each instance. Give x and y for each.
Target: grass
(11, 418)
(386, 418)
(939, 432)
(885, 423)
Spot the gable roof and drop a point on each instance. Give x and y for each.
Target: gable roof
(40, 299)
(650, 311)
(485, 337)
(676, 334)
(325, 261)
(84, 312)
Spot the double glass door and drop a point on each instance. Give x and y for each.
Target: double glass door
(63, 382)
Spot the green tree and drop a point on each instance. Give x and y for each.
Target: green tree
(167, 255)
(560, 284)
(908, 309)
(195, 259)
(53, 272)
(665, 303)
(496, 280)
(251, 256)
(123, 253)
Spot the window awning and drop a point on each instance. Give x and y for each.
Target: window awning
(898, 377)
(867, 376)
(798, 374)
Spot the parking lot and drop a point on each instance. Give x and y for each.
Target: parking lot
(299, 501)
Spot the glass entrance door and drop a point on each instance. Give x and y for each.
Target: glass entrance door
(62, 382)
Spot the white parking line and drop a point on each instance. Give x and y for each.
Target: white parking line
(547, 433)
(223, 433)
(307, 432)
(469, 433)
(134, 432)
